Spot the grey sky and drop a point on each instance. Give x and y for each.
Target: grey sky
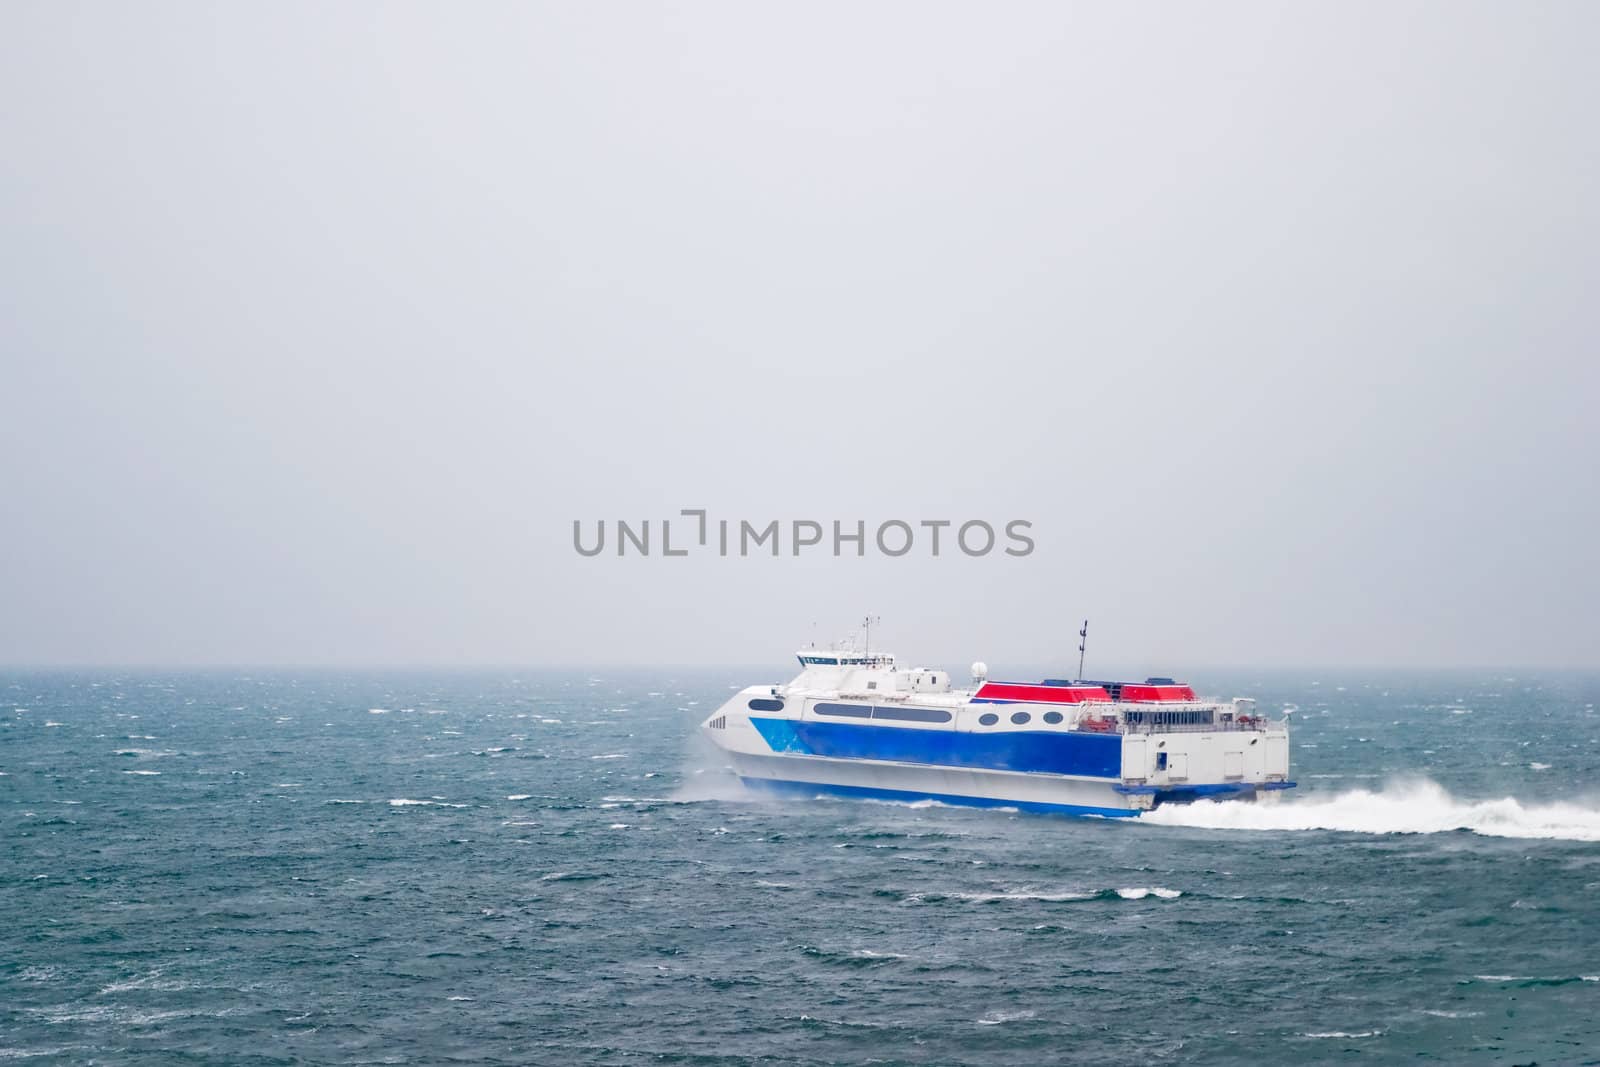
(319, 324)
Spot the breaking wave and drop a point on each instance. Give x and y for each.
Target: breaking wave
(1418, 807)
(1140, 892)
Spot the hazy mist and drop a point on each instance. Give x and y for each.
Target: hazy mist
(320, 324)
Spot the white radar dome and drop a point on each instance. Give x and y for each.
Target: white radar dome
(980, 671)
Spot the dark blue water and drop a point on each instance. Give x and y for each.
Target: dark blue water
(540, 868)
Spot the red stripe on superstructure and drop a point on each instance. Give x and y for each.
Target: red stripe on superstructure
(1157, 694)
(1042, 694)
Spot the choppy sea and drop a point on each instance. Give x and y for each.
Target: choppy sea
(506, 867)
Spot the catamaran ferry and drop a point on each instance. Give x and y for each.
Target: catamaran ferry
(857, 724)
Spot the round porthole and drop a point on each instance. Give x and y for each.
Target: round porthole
(1020, 717)
(988, 718)
(1052, 717)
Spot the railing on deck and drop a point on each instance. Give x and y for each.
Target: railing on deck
(1254, 726)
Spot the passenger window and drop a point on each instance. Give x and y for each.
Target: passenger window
(912, 714)
(1020, 717)
(988, 718)
(849, 711)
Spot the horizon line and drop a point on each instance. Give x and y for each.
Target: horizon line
(286, 665)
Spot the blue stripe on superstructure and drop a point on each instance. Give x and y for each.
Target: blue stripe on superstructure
(812, 789)
(1058, 752)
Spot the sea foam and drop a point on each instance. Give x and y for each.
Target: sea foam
(1416, 807)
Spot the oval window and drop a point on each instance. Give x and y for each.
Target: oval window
(1052, 717)
(988, 718)
(1020, 717)
(766, 705)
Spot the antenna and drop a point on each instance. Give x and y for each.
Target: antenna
(1083, 643)
(866, 626)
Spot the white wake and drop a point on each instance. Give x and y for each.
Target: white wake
(1415, 807)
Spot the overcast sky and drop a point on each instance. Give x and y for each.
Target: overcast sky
(321, 324)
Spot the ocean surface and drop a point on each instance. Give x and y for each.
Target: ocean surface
(508, 867)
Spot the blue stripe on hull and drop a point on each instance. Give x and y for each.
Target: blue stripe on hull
(1057, 752)
(861, 792)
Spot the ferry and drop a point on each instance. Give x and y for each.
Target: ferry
(857, 724)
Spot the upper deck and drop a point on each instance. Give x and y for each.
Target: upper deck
(1155, 705)
(1056, 691)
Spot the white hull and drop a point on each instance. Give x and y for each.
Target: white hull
(947, 785)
